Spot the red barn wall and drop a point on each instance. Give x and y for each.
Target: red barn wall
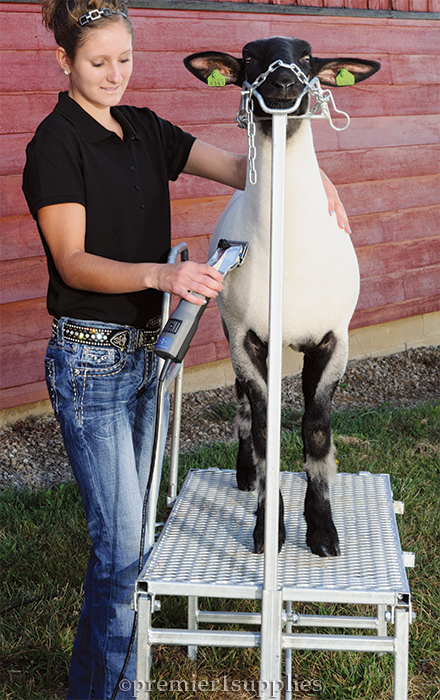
(385, 165)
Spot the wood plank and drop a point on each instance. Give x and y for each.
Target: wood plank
(380, 163)
(404, 66)
(19, 238)
(200, 355)
(22, 113)
(23, 279)
(389, 195)
(393, 312)
(385, 132)
(13, 150)
(22, 364)
(387, 258)
(197, 247)
(424, 283)
(23, 395)
(387, 100)
(24, 321)
(13, 202)
(410, 224)
(196, 217)
(398, 287)
(22, 25)
(196, 31)
(31, 70)
(210, 329)
(380, 291)
(402, 5)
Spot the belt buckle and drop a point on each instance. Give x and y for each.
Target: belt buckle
(120, 340)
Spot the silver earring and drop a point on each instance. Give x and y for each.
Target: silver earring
(66, 71)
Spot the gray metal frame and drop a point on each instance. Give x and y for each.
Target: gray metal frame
(206, 547)
(205, 550)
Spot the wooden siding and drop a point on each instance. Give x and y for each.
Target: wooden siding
(385, 165)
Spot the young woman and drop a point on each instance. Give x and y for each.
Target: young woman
(96, 181)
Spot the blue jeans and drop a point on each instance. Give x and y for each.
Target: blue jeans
(104, 399)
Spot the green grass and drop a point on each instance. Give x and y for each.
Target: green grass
(44, 548)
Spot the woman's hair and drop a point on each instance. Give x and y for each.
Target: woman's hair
(61, 17)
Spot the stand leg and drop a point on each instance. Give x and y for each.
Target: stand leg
(270, 665)
(401, 635)
(192, 623)
(382, 626)
(143, 655)
(288, 655)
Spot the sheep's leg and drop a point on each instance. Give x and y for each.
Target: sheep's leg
(259, 526)
(324, 365)
(246, 470)
(249, 357)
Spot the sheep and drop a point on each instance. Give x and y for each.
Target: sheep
(321, 277)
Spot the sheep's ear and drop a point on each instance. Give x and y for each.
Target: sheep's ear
(203, 65)
(337, 72)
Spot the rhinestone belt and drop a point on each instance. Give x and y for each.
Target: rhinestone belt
(110, 337)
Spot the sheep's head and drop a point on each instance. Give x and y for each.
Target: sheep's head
(282, 87)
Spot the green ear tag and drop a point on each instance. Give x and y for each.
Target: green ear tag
(216, 79)
(344, 77)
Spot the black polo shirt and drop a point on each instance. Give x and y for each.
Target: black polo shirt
(123, 185)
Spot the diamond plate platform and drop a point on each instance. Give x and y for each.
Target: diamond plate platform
(206, 546)
(206, 550)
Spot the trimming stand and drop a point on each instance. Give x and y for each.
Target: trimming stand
(205, 548)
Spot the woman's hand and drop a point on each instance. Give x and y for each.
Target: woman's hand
(335, 206)
(183, 278)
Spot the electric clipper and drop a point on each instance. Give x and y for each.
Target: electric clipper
(181, 326)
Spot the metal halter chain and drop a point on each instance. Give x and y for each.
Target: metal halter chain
(320, 110)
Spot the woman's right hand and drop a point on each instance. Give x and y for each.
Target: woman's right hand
(183, 278)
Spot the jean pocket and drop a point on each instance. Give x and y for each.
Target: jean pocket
(96, 362)
(49, 365)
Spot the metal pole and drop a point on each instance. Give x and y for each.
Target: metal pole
(270, 666)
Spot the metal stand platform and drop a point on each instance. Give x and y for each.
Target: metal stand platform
(205, 549)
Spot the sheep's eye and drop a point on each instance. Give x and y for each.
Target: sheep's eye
(306, 58)
(247, 59)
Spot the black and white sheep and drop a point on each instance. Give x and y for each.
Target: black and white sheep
(321, 277)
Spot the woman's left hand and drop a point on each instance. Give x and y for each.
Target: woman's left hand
(335, 206)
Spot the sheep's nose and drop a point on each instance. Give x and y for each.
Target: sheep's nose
(284, 84)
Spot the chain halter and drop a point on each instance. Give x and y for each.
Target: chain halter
(320, 110)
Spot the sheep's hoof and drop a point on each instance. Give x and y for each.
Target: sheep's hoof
(259, 538)
(322, 551)
(246, 476)
(327, 548)
(246, 483)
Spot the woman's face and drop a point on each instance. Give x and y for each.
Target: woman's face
(102, 68)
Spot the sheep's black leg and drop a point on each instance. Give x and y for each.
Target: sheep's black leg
(259, 526)
(324, 365)
(250, 356)
(246, 470)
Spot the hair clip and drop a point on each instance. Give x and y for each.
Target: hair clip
(97, 14)
(90, 17)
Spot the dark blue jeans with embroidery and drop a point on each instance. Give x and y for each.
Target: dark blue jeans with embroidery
(104, 399)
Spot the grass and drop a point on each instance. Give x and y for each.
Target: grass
(44, 549)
